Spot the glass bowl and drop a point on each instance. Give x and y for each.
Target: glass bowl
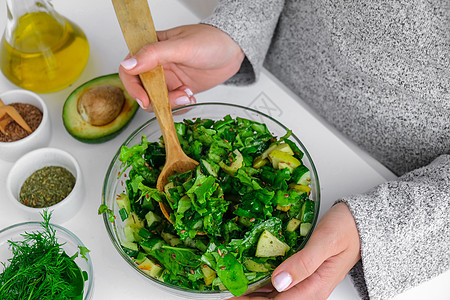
(114, 185)
(64, 236)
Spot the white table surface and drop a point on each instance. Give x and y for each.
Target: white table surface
(343, 168)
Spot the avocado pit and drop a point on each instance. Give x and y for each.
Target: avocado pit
(101, 104)
(101, 100)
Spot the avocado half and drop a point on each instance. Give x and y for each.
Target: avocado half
(98, 110)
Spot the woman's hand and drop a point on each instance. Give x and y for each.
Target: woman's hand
(195, 58)
(316, 270)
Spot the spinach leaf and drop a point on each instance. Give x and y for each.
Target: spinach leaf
(175, 259)
(231, 273)
(184, 256)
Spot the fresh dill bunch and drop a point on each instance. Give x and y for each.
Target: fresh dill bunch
(40, 269)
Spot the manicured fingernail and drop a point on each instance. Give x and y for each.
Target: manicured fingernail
(139, 102)
(183, 100)
(189, 92)
(282, 281)
(129, 63)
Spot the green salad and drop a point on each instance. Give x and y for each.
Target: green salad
(243, 210)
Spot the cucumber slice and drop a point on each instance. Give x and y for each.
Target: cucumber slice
(235, 165)
(281, 160)
(151, 244)
(130, 248)
(292, 225)
(270, 246)
(283, 208)
(211, 168)
(129, 233)
(305, 228)
(262, 159)
(284, 148)
(143, 232)
(124, 202)
(301, 175)
(152, 220)
(140, 257)
(150, 268)
(300, 188)
(134, 221)
(253, 266)
(307, 213)
(208, 274)
(259, 162)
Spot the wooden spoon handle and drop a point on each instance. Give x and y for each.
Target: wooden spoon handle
(138, 30)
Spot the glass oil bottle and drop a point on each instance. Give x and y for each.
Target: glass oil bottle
(41, 50)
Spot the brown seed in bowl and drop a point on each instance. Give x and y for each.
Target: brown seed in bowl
(100, 105)
(13, 131)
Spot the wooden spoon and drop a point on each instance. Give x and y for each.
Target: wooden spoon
(138, 29)
(7, 113)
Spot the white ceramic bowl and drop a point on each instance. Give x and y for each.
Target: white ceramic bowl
(35, 160)
(70, 245)
(11, 151)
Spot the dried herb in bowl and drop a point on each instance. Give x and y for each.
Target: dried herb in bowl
(41, 269)
(46, 187)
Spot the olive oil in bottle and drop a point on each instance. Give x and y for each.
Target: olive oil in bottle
(42, 51)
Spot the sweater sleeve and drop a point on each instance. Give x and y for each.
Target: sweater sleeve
(404, 227)
(251, 24)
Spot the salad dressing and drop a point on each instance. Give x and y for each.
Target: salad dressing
(42, 51)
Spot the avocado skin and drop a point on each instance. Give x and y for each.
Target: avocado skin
(101, 139)
(86, 133)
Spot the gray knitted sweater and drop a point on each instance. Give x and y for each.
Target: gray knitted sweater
(379, 72)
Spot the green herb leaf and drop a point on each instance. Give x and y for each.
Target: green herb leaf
(105, 209)
(231, 272)
(83, 252)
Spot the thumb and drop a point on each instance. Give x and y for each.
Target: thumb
(302, 264)
(335, 241)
